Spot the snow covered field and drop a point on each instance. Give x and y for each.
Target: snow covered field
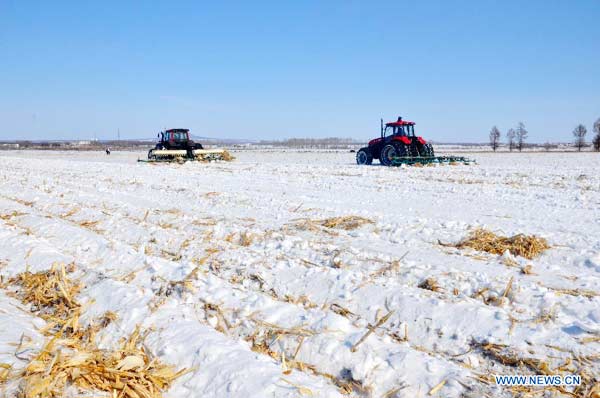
(262, 284)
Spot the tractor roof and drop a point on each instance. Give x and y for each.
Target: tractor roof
(176, 130)
(400, 123)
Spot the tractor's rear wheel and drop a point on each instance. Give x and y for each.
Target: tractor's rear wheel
(388, 152)
(427, 151)
(364, 156)
(391, 151)
(430, 151)
(413, 150)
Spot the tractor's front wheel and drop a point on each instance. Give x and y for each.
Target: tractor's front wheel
(364, 156)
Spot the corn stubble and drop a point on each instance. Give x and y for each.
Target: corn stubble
(71, 359)
(590, 383)
(347, 223)
(226, 156)
(528, 246)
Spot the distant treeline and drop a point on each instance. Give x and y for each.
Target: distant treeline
(516, 137)
(330, 142)
(78, 145)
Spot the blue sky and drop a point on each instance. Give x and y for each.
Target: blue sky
(276, 69)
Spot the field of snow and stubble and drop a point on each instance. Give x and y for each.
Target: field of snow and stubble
(262, 285)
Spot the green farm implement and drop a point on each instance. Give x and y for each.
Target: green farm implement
(430, 160)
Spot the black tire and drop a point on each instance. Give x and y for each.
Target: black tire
(414, 150)
(391, 151)
(386, 154)
(429, 150)
(364, 156)
(403, 150)
(151, 155)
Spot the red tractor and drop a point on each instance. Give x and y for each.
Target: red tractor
(397, 140)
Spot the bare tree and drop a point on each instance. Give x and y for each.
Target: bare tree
(596, 143)
(494, 138)
(579, 133)
(510, 136)
(521, 135)
(596, 140)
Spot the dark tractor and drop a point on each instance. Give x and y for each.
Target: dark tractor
(397, 140)
(175, 140)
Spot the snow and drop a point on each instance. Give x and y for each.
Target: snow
(134, 230)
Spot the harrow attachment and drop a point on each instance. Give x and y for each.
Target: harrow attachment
(182, 155)
(430, 160)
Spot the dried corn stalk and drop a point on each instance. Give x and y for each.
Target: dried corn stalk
(226, 156)
(590, 382)
(4, 371)
(71, 356)
(10, 215)
(528, 246)
(51, 295)
(430, 284)
(126, 372)
(347, 222)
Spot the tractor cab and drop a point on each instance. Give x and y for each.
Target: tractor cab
(176, 139)
(399, 128)
(172, 136)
